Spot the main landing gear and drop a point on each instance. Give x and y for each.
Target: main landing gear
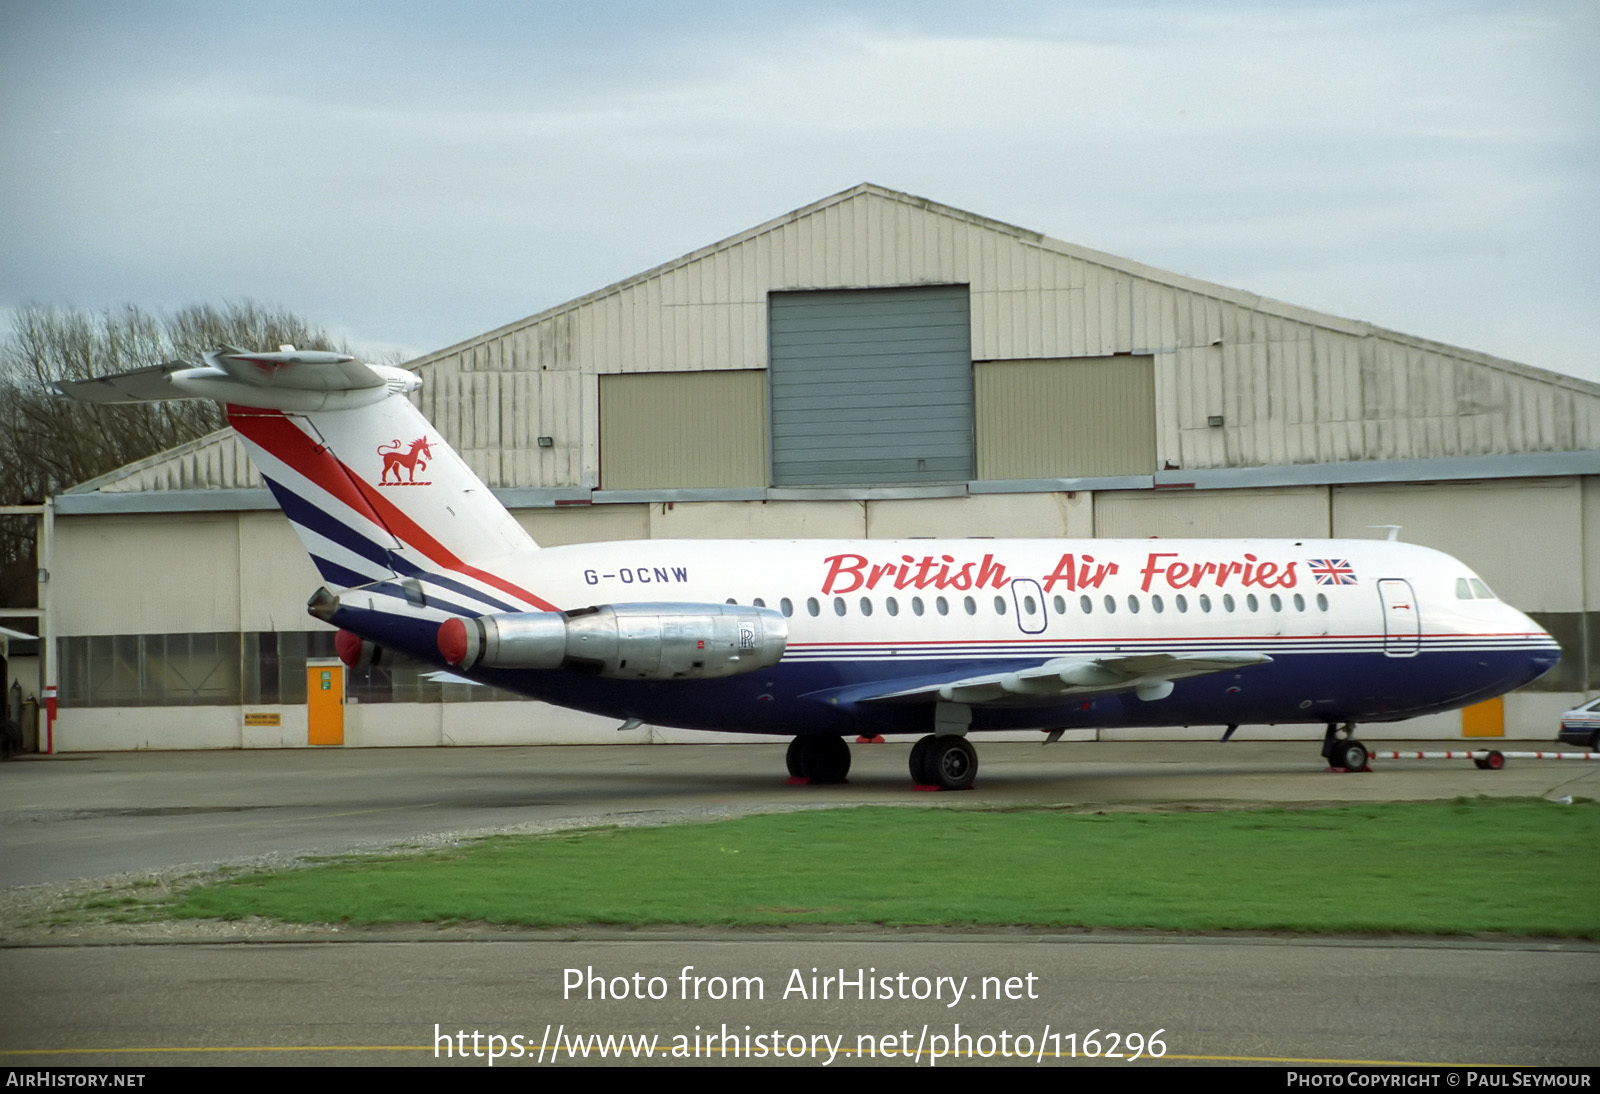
(1344, 752)
(944, 761)
(820, 759)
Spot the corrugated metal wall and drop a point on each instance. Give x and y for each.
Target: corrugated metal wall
(1293, 385)
(871, 386)
(1066, 418)
(672, 429)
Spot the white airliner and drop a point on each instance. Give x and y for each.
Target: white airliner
(823, 639)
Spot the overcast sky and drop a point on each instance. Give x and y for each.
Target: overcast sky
(410, 175)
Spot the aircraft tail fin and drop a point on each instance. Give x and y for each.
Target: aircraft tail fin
(372, 489)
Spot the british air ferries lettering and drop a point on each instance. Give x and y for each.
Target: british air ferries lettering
(847, 573)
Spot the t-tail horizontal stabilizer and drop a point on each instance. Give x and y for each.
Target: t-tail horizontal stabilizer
(288, 379)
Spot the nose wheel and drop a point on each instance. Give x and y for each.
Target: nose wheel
(1344, 752)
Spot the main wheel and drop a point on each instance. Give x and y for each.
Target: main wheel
(821, 759)
(793, 758)
(920, 774)
(951, 762)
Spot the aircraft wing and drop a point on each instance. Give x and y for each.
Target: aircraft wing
(1148, 675)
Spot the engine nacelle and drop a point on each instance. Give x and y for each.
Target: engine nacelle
(627, 641)
(356, 652)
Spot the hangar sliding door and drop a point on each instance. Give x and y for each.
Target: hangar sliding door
(871, 386)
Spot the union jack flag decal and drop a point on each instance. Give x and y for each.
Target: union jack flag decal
(1332, 571)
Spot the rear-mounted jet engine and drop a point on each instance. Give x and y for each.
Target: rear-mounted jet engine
(631, 641)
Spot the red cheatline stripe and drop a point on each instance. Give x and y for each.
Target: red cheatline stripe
(273, 431)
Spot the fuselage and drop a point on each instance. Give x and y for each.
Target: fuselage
(1355, 630)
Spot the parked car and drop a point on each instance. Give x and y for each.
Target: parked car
(1581, 725)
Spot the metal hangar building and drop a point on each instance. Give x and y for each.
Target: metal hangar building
(874, 365)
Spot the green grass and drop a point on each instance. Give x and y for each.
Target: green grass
(1479, 866)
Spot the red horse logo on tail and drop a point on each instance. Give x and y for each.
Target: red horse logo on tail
(413, 461)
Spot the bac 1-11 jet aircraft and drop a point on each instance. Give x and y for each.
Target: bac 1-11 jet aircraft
(822, 639)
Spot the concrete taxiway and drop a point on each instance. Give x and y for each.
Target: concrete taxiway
(385, 996)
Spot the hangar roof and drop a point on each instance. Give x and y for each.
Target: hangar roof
(1306, 396)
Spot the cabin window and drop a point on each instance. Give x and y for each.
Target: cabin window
(1322, 601)
(1205, 603)
(1111, 604)
(759, 603)
(1029, 606)
(943, 605)
(999, 605)
(1252, 603)
(892, 606)
(1156, 605)
(786, 606)
(971, 605)
(1227, 602)
(916, 605)
(866, 605)
(1086, 604)
(1182, 602)
(838, 605)
(1133, 604)
(812, 606)
(1299, 603)
(1277, 602)
(730, 600)
(1061, 605)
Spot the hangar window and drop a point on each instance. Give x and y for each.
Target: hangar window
(871, 386)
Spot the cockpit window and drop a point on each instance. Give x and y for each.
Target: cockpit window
(1482, 590)
(1463, 590)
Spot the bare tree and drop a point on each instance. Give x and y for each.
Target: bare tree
(48, 444)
